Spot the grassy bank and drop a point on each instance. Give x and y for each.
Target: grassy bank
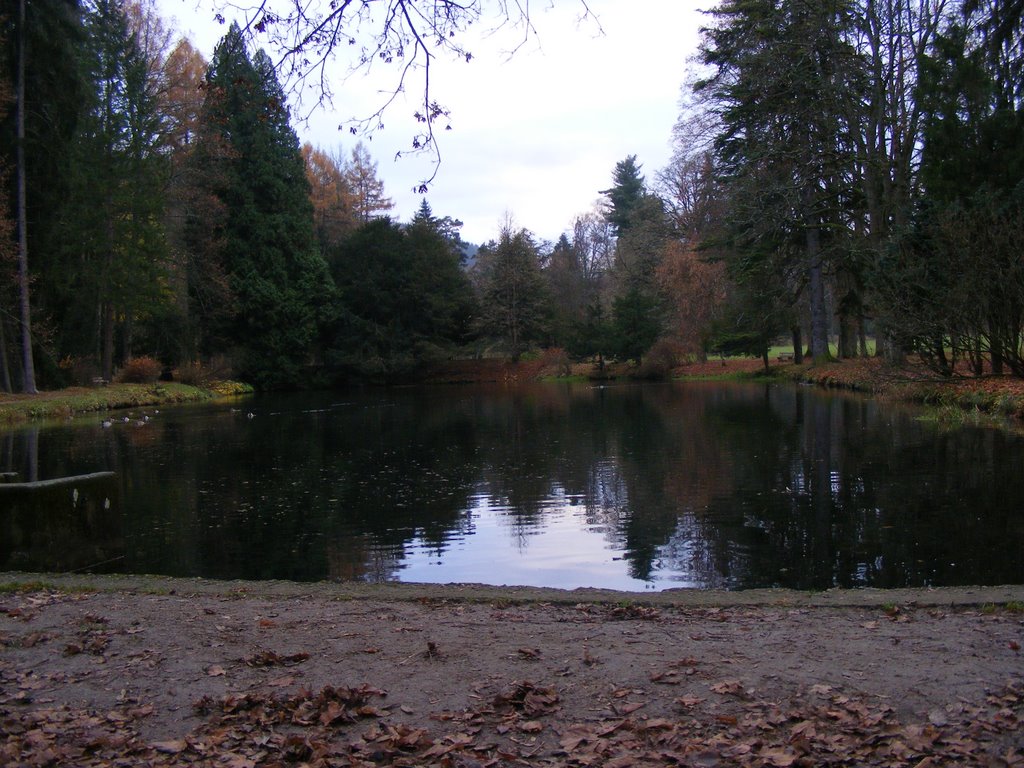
(999, 396)
(67, 403)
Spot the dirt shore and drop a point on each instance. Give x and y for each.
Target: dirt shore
(153, 671)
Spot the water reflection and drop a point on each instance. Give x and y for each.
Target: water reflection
(704, 485)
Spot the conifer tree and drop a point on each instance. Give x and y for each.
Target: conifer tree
(625, 195)
(515, 302)
(112, 240)
(262, 217)
(784, 79)
(40, 41)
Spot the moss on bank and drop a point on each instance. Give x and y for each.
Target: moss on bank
(66, 403)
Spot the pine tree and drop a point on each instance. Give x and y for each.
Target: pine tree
(436, 258)
(515, 302)
(113, 243)
(40, 42)
(262, 217)
(784, 84)
(625, 195)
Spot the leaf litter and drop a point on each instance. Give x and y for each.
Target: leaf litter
(535, 702)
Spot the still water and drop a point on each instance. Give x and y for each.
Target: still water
(623, 486)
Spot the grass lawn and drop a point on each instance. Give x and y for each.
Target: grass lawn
(66, 403)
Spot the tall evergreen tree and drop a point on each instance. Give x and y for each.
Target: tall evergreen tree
(40, 40)
(784, 77)
(515, 302)
(113, 237)
(404, 299)
(625, 195)
(263, 219)
(957, 284)
(447, 302)
(638, 217)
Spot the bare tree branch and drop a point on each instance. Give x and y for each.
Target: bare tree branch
(305, 36)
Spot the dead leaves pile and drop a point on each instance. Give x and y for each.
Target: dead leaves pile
(833, 731)
(521, 725)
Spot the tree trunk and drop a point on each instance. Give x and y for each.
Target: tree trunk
(107, 346)
(5, 370)
(995, 343)
(816, 285)
(129, 334)
(798, 345)
(29, 375)
(848, 311)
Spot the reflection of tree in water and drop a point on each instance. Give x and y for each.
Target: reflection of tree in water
(836, 492)
(712, 485)
(674, 466)
(626, 451)
(367, 481)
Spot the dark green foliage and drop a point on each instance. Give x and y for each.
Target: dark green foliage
(403, 298)
(260, 210)
(54, 93)
(112, 239)
(753, 317)
(592, 335)
(643, 230)
(515, 304)
(637, 323)
(953, 284)
(45, 42)
(566, 280)
(786, 81)
(625, 195)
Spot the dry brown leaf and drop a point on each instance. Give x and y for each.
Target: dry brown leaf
(729, 688)
(215, 671)
(171, 747)
(689, 701)
(779, 758)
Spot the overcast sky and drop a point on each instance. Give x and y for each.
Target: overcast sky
(535, 136)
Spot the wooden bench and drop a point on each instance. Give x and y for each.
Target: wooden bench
(786, 357)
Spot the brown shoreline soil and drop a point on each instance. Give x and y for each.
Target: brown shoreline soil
(186, 672)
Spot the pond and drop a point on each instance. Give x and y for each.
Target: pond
(634, 487)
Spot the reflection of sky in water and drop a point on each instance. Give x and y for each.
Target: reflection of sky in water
(632, 488)
(562, 551)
